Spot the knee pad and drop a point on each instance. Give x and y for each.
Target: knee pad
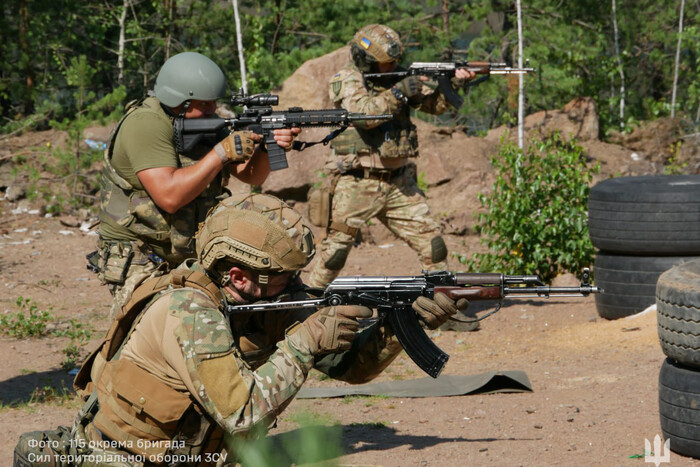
(337, 260)
(438, 250)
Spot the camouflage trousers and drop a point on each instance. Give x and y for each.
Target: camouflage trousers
(122, 269)
(398, 203)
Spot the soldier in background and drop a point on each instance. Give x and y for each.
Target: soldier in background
(370, 167)
(153, 198)
(175, 374)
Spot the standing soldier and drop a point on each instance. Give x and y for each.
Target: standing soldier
(176, 374)
(370, 164)
(152, 197)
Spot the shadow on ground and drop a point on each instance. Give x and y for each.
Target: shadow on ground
(36, 387)
(317, 444)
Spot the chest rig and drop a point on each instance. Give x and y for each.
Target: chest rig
(396, 138)
(129, 405)
(134, 210)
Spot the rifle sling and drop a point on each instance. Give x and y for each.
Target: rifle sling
(477, 81)
(301, 145)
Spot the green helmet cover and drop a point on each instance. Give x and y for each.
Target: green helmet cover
(187, 76)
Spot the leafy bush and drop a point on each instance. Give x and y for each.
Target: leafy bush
(32, 324)
(536, 219)
(317, 441)
(30, 321)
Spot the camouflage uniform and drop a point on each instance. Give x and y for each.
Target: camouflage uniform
(373, 176)
(175, 375)
(187, 376)
(137, 238)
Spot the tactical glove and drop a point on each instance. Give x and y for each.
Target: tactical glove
(236, 148)
(409, 87)
(458, 82)
(434, 313)
(329, 330)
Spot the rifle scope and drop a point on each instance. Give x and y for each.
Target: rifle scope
(256, 100)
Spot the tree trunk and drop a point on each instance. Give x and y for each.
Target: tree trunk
(521, 87)
(170, 12)
(122, 41)
(678, 59)
(239, 41)
(447, 54)
(279, 17)
(619, 66)
(25, 47)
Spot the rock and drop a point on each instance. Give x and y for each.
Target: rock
(99, 133)
(70, 221)
(578, 119)
(15, 192)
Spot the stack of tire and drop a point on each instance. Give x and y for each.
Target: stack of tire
(647, 230)
(678, 314)
(641, 226)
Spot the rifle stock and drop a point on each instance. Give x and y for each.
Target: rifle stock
(393, 296)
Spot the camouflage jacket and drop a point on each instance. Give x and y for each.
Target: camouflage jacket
(217, 375)
(395, 138)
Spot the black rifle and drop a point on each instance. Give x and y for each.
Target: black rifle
(442, 72)
(392, 296)
(259, 117)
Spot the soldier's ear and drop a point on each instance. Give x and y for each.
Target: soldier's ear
(239, 277)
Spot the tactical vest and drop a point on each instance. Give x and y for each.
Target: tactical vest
(396, 138)
(134, 210)
(136, 410)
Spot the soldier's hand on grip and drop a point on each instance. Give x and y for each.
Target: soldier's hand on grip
(237, 147)
(330, 330)
(434, 313)
(410, 86)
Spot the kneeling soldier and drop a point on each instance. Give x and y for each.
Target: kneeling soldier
(175, 375)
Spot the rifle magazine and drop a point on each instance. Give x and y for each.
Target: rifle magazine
(418, 346)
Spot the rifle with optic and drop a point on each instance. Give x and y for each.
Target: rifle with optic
(259, 117)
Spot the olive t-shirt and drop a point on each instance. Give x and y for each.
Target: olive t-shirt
(144, 141)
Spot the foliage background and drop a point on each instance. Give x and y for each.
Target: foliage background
(60, 56)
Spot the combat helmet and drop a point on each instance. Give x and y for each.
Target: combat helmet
(187, 76)
(256, 231)
(375, 43)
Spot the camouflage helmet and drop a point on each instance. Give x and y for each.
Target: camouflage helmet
(375, 43)
(187, 76)
(257, 231)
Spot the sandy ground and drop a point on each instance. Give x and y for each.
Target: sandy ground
(594, 399)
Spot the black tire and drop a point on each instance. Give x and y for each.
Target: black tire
(629, 282)
(648, 215)
(679, 408)
(678, 313)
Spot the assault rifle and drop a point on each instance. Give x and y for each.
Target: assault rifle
(443, 72)
(392, 296)
(259, 117)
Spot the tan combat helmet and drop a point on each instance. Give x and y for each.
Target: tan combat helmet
(375, 43)
(256, 231)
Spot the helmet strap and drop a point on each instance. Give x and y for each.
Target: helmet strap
(263, 280)
(183, 110)
(225, 279)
